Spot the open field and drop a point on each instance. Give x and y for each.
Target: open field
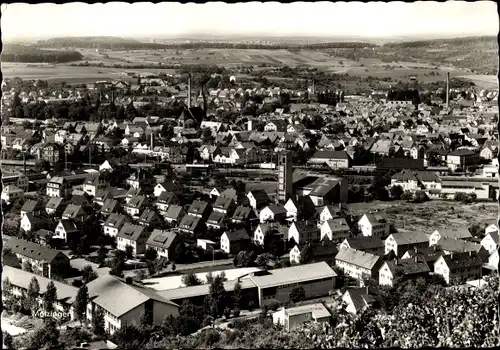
(427, 217)
(69, 74)
(364, 67)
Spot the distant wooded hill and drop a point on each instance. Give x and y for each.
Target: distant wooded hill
(489, 42)
(31, 54)
(116, 43)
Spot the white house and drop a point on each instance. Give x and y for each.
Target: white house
(113, 224)
(335, 229)
(272, 213)
(490, 241)
(373, 225)
(12, 193)
(295, 316)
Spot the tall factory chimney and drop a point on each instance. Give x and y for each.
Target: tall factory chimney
(189, 91)
(447, 90)
(152, 141)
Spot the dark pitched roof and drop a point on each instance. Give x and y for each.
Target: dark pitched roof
(238, 235)
(115, 220)
(223, 203)
(173, 211)
(131, 232)
(30, 206)
(400, 163)
(260, 196)
(242, 213)
(362, 243)
(408, 266)
(463, 260)
(190, 222)
(216, 218)
(32, 250)
(198, 207)
(161, 238)
(330, 155)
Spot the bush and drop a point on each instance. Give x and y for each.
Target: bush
(251, 306)
(407, 196)
(227, 313)
(274, 305)
(236, 312)
(208, 338)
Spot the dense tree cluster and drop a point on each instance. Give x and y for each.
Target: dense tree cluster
(30, 54)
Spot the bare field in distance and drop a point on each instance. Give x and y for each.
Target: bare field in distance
(431, 215)
(230, 58)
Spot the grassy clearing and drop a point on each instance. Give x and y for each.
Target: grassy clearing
(431, 215)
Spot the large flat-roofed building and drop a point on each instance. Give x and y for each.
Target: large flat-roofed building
(317, 280)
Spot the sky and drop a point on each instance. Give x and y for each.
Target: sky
(352, 19)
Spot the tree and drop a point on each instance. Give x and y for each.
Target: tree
(50, 297)
(102, 253)
(88, 274)
(33, 293)
(118, 263)
(7, 288)
(307, 254)
(191, 279)
(217, 296)
(81, 301)
(129, 252)
(98, 322)
(150, 254)
(407, 195)
(396, 192)
(8, 341)
(297, 294)
(45, 336)
(210, 278)
(128, 337)
(420, 197)
(27, 267)
(237, 295)
(146, 320)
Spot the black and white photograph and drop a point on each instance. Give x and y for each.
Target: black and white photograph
(250, 175)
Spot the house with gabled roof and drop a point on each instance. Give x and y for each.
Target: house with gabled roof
(357, 299)
(232, 242)
(113, 224)
(296, 316)
(462, 266)
(74, 212)
(110, 206)
(272, 212)
(357, 264)
(93, 183)
(230, 193)
(200, 209)
(217, 220)
(43, 260)
(321, 251)
(243, 215)
(174, 214)
(429, 255)
(224, 205)
(135, 205)
(54, 206)
(374, 225)
(454, 245)
(401, 242)
(30, 223)
(164, 242)
(33, 207)
(258, 199)
(450, 232)
(192, 225)
(119, 312)
(304, 231)
(368, 244)
(165, 200)
(66, 230)
(335, 229)
(402, 268)
(491, 241)
(134, 236)
(334, 159)
(150, 219)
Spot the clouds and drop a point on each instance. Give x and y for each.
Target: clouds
(270, 19)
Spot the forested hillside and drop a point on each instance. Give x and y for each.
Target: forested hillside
(30, 54)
